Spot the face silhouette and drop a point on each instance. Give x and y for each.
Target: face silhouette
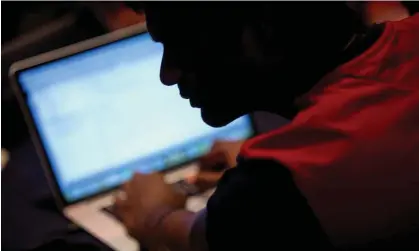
(206, 60)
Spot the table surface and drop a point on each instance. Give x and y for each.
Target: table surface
(29, 216)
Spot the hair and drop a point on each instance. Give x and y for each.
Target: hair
(288, 37)
(321, 25)
(302, 19)
(307, 30)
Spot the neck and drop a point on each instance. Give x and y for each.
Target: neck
(302, 75)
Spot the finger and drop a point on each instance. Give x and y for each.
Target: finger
(120, 210)
(120, 202)
(138, 176)
(191, 179)
(208, 177)
(222, 145)
(157, 175)
(230, 148)
(205, 180)
(121, 195)
(126, 187)
(218, 145)
(215, 161)
(121, 198)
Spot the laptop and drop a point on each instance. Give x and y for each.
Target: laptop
(97, 113)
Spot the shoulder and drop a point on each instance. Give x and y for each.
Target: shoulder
(357, 135)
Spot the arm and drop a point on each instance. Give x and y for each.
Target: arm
(256, 207)
(184, 231)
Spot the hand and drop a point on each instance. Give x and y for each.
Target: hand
(212, 166)
(146, 200)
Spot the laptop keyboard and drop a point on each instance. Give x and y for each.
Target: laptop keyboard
(186, 188)
(181, 185)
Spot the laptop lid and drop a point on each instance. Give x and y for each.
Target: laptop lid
(98, 113)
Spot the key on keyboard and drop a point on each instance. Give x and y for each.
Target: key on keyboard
(186, 188)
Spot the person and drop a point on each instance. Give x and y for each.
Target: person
(117, 15)
(344, 173)
(370, 13)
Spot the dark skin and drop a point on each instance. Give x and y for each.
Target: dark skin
(152, 211)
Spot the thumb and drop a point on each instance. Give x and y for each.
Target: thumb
(205, 179)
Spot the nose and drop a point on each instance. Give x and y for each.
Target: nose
(169, 74)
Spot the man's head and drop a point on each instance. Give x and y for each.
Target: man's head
(229, 60)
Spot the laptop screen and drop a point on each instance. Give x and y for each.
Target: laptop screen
(103, 114)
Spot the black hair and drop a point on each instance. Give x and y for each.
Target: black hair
(298, 31)
(296, 15)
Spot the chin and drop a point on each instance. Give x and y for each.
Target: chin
(218, 119)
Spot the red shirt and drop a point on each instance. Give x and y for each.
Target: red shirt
(354, 150)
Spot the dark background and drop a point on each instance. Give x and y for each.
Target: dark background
(29, 216)
(31, 28)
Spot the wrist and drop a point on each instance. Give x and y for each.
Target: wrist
(154, 222)
(174, 229)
